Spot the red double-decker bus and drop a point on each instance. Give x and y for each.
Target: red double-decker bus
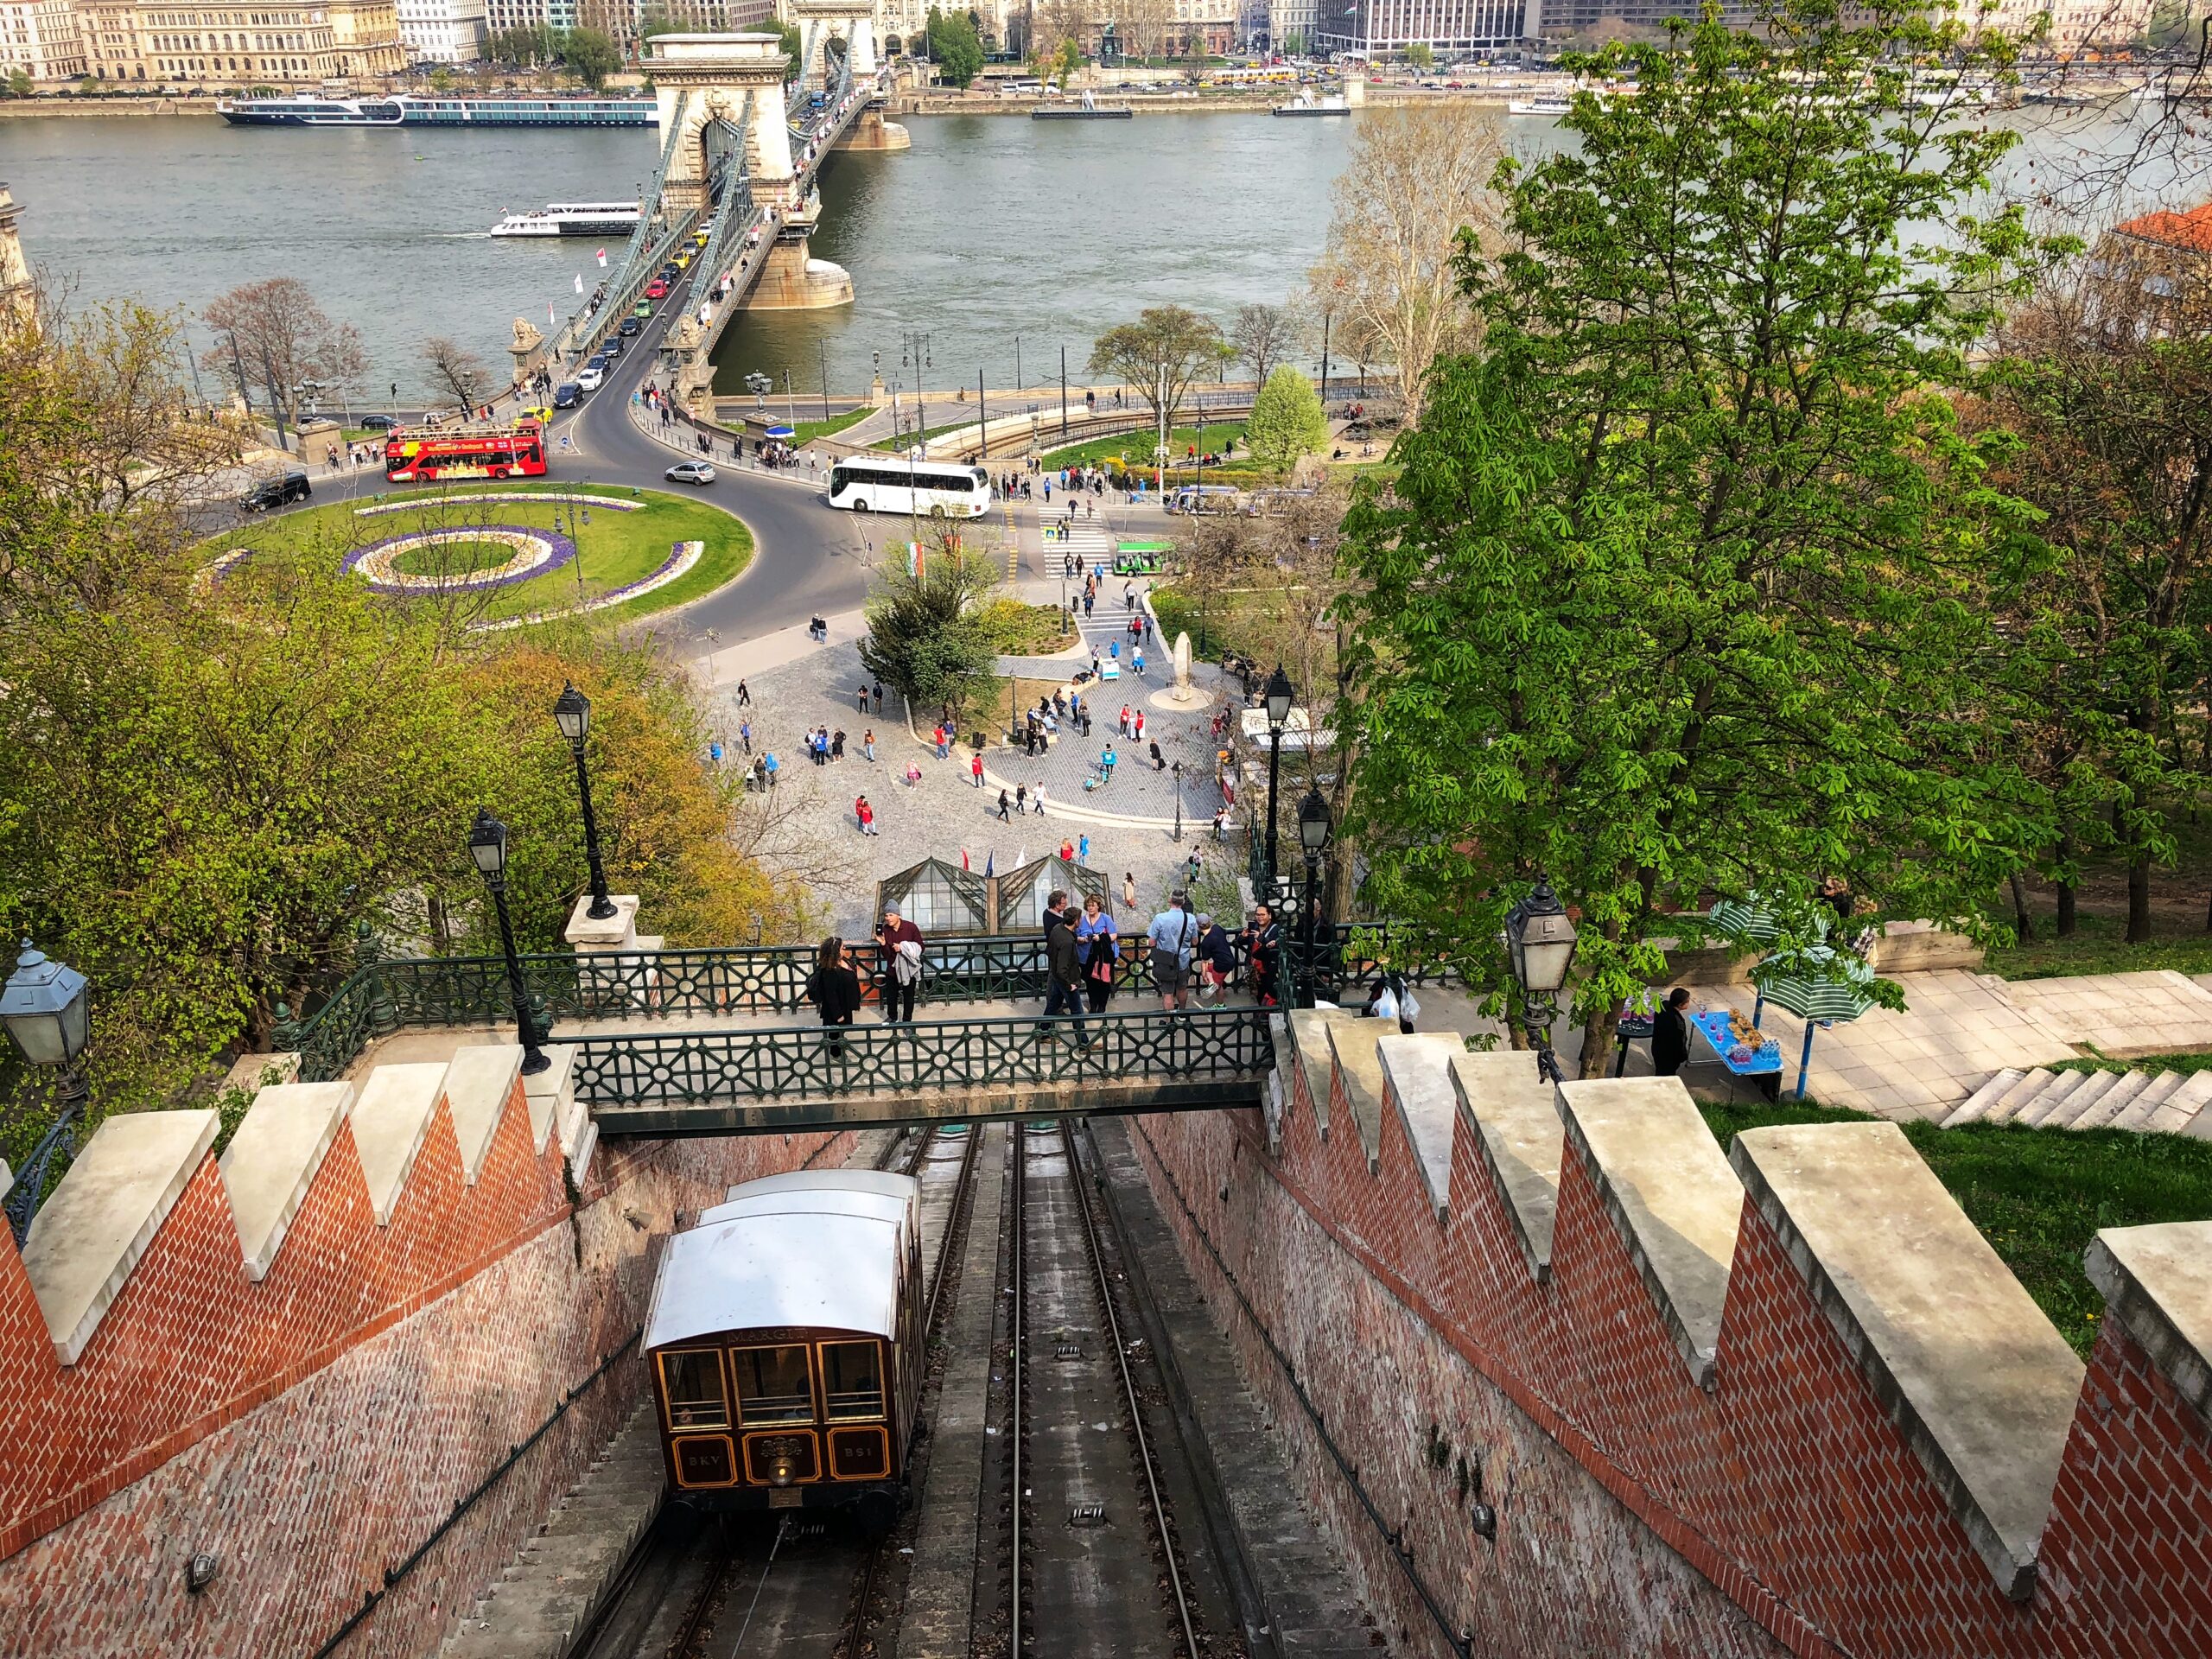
(476, 451)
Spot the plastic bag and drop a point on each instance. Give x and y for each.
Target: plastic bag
(1410, 1009)
(1385, 1006)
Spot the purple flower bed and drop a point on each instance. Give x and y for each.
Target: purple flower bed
(558, 549)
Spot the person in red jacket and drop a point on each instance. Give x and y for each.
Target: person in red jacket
(865, 814)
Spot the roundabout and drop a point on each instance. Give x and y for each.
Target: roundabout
(515, 555)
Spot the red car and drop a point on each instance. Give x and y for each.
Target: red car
(656, 288)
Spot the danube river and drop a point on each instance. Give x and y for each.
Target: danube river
(990, 230)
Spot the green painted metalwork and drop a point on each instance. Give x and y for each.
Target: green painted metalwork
(812, 1062)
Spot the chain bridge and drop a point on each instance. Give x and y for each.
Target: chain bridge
(743, 143)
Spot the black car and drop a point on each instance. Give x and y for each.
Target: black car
(378, 422)
(273, 492)
(567, 395)
(612, 348)
(630, 325)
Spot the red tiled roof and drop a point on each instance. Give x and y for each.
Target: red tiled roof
(2192, 230)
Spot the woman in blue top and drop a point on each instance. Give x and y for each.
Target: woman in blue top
(1100, 947)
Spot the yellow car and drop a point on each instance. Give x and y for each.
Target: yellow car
(684, 259)
(541, 414)
(699, 238)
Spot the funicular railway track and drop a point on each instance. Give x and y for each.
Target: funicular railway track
(709, 1588)
(1093, 1556)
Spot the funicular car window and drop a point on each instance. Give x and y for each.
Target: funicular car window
(772, 1384)
(852, 1380)
(692, 1378)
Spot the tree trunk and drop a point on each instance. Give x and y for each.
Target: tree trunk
(1598, 1042)
(2023, 923)
(2139, 872)
(2065, 886)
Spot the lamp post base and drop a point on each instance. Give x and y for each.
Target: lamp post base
(618, 931)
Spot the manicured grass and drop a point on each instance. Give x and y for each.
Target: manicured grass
(1230, 621)
(1020, 629)
(906, 440)
(2153, 1064)
(2098, 946)
(615, 548)
(1135, 449)
(2039, 1195)
(452, 559)
(808, 431)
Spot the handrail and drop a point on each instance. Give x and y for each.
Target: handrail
(814, 1061)
(398, 992)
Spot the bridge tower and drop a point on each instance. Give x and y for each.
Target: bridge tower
(15, 287)
(733, 79)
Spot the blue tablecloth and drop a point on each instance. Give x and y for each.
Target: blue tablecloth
(1713, 1027)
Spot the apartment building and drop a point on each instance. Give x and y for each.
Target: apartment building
(238, 43)
(366, 34)
(442, 31)
(41, 39)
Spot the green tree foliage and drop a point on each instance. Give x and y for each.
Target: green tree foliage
(955, 46)
(591, 55)
(211, 783)
(2107, 378)
(1160, 354)
(928, 636)
(19, 84)
(526, 45)
(1286, 421)
(1678, 591)
(1421, 55)
(794, 50)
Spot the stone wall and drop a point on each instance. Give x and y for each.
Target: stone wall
(1787, 1402)
(312, 1427)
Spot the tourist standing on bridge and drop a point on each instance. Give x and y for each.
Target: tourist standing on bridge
(835, 989)
(901, 942)
(1173, 938)
(1064, 981)
(1101, 949)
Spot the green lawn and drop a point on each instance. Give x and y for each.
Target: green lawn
(2039, 1195)
(1229, 620)
(906, 440)
(2153, 1064)
(2097, 946)
(1020, 630)
(615, 548)
(808, 431)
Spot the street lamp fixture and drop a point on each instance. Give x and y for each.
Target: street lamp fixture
(572, 714)
(487, 845)
(48, 1018)
(1539, 943)
(1314, 822)
(1280, 696)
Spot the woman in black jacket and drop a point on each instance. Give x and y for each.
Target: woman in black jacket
(835, 989)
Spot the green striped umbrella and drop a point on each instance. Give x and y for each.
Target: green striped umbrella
(1745, 918)
(1821, 985)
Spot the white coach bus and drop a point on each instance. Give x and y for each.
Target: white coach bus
(934, 489)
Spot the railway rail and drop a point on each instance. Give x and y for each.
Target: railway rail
(1089, 1579)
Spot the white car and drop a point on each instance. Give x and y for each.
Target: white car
(689, 471)
(590, 379)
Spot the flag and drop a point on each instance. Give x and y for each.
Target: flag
(580, 282)
(548, 313)
(991, 865)
(602, 258)
(963, 858)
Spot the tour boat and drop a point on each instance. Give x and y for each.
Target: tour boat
(1307, 103)
(401, 110)
(1088, 110)
(1542, 104)
(572, 219)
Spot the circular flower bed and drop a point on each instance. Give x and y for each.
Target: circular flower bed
(534, 553)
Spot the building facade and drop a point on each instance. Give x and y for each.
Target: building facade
(41, 39)
(366, 35)
(1384, 29)
(442, 31)
(237, 43)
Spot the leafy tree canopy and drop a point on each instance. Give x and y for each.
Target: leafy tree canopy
(955, 46)
(1286, 422)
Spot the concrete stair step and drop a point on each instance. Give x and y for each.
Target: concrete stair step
(2083, 1097)
(2006, 1106)
(2136, 1113)
(2114, 1102)
(2180, 1108)
(2050, 1098)
(1970, 1109)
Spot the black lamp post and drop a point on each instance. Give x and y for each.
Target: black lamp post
(487, 845)
(45, 1009)
(572, 713)
(1540, 941)
(1177, 768)
(1314, 822)
(1280, 696)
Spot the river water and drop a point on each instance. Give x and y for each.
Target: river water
(990, 230)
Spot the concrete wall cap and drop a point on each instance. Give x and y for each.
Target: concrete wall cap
(1310, 1053)
(7, 1178)
(1514, 1116)
(1351, 1047)
(391, 1119)
(1667, 1184)
(2158, 1281)
(272, 1159)
(1419, 1069)
(97, 1222)
(550, 1091)
(479, 1084)
(1962, 1360)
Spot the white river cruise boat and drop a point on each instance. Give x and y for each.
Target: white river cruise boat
(572, 219)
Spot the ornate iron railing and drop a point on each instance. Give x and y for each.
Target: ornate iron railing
(812, 1061)
(397, 992)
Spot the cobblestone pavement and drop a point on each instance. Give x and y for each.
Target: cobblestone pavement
(943, 814)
